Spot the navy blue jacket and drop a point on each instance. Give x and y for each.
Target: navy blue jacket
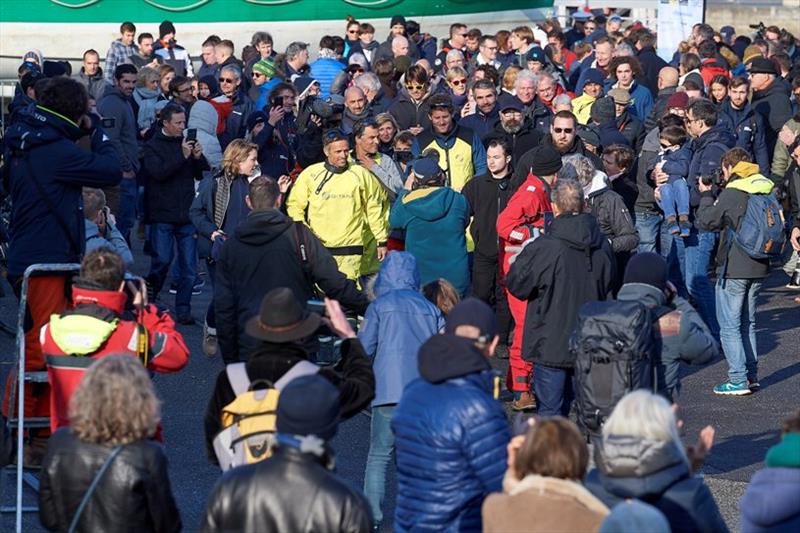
(655, 472)
(397, 322)
(42, 142)
(748, 126)
(450, 437)
(676, 164)
(708, 150)
(480, 122)
(202, 210)
(277, 146)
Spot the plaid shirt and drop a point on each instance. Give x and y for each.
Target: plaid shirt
(117, 54)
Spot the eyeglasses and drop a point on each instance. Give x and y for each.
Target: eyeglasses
(227, 80)
(490, 48)
(412, 87)
(184, 90)
(463, 34)
(256, 75)
(459, 82)
(563, 130)
(352, 32)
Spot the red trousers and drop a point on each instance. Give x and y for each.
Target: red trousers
(46, 296)
(520, 372)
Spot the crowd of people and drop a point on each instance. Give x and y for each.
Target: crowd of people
(560, 197)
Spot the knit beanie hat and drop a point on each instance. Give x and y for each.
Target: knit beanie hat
(308, 405)
(397, 19)
(678, 100)
(265, 67)
(647, 268)
(603, 110)
(546, 160)
(750, 53)
(165, 28)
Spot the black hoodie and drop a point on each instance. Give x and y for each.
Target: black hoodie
(556, 274)
(264, 254)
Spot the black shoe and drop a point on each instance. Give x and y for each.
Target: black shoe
(185, 320)
(196, 289)
(794, 283)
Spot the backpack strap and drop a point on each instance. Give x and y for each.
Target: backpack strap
(237, 375)
(301, 368)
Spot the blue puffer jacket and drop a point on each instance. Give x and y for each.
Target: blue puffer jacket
(47, 141)
(657, 473)
(396, 325)
(325, 70)
(772, 501)
(435, 220)
(450, 436)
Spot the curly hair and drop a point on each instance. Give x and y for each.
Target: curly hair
(616, 61)
(235, 154)
(115, 403)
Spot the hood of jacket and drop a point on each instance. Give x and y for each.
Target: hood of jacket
(203, 117)
(651, 142)
(262, 226)
(431, 203)
(641, 292)
(97, 76)
(786, 453)
(113, 90)
(398, 271)
(580, 232)
(38, 126)
(753, 184)
(83, 293)
(599, 184)
(445, 356)
(771, 499)
(634, 467)
(562, 488)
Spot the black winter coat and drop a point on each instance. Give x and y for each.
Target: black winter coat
(577, 148)
(520, 142)
(614, 219)
(133, 495)
(262, 255)
(354, 379)
(292, 491)
(487, 197)
(625, 186)
(632, 129)
(773, 105)
(651, 66)
(409, 114)
(556, 274)
(170, 179)
(659, 107)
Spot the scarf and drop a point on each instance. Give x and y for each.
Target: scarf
(222, 198)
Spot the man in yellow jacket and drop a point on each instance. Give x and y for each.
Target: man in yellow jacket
(343, 204)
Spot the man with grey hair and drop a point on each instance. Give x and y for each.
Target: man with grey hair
(230, 83)
(556, 274)
(525, 87)
(562, 102)
(101, 229)
(399, 46)
(296, 59)
(454, 58)
(370, 84)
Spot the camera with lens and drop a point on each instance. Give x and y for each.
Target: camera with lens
(327, 108)
(715, 178)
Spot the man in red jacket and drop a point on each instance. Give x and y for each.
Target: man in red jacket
(526, 216)
(96, 325)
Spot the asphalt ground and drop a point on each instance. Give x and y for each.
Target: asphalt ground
(745, 426)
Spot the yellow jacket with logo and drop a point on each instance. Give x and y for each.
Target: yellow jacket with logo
(345, 210)
(461, 154)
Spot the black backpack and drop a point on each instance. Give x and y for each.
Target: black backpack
(615, 352)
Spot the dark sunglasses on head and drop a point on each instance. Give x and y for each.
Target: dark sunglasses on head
(563, 130)
(458, 82)
(227, 80)
(411, 87)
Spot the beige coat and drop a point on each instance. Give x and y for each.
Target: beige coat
(542, 504)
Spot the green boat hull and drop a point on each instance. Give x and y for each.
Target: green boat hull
(80, 11)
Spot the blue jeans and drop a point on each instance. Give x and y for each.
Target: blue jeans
(648, 225)
(126, 216)
(164, 239)
(736, 310)
(688, 259)
(555, 390)
(674, 198)
(381, 447)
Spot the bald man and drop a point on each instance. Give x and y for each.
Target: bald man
(667, 85)
(399, 46)
(355, 108)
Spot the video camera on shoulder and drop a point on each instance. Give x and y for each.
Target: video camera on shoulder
(714, 178)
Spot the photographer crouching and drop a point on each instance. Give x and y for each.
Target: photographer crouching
(750, 223)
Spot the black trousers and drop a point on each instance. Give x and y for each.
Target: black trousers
(486, 286)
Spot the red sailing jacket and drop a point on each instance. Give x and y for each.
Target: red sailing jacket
(529, 208)
(93, 329)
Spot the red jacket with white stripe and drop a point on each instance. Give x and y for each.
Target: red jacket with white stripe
(523, 218)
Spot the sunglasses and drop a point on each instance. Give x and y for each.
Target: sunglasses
(352, 32)
(411, 87)
(355, 69)
(459, 82)
(227, 80)
(463, 34)
(256, 75)
(563, 130)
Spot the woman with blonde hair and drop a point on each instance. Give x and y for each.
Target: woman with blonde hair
(105, 473)
(146, 94)
(456, 79)
(387, 131)
(641, 456)
(542, 488)
(217, 210)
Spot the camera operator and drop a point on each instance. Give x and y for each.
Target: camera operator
(173, 163)
(739, 276)
(268, 251)
(101, 229)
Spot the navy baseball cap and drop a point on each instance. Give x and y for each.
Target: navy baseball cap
(473, 312)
